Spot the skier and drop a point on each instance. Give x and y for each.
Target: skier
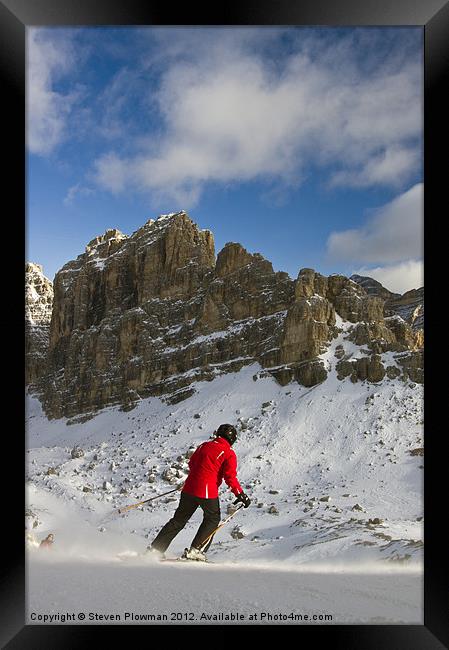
(213, 461)
(48, 541)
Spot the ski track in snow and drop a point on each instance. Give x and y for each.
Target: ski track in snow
(304, 444)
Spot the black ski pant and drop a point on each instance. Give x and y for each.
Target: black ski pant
(187, 506)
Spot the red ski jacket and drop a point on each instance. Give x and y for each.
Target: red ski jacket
(212, 462)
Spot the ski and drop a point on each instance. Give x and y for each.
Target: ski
(183, 559)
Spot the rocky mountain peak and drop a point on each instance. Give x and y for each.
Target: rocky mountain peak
(309, 283)
(373, 287)
(234, 257)
(32, 267)
(111, 235)
(408, 306)
(38, 295)
(38, 311)
(153, 313)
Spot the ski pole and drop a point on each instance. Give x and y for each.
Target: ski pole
(220, 526)
(134, 505)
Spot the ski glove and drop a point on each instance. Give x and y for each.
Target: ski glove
(243, 498)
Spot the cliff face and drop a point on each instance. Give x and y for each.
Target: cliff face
(152, 313)
(409, 306)
(38, 308)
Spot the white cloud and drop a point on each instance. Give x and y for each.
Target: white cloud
(111, 172)
(112, 107)
(230, 114)
(393, 233)
(392, 238)
(48, 60)
(74, 191)
(397, 278)
(391, 167)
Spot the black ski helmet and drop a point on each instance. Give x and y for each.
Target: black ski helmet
(228, 432)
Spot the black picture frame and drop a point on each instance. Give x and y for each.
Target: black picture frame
(433, 16)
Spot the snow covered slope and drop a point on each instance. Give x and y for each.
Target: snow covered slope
(335, 525)
(144, 592)
(329, 470)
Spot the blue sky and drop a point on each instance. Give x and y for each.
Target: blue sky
(303, 144)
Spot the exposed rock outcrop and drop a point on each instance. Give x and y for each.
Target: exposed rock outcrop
(38, 309)
(409, 306)
(373, 287)
(153, 312)
(370, 368)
